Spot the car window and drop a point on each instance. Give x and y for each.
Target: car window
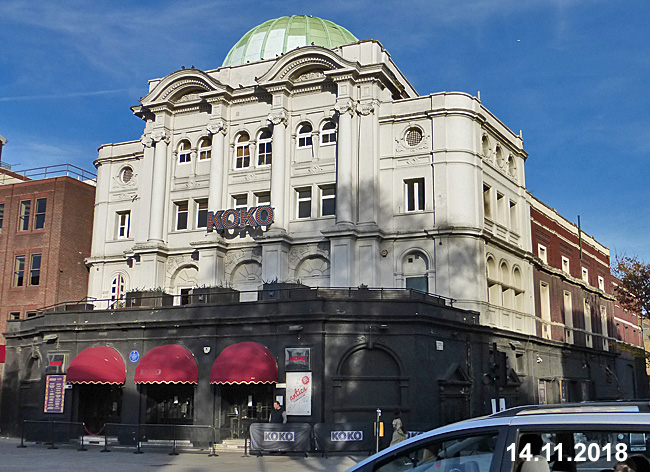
(580, 450)
(467, 453)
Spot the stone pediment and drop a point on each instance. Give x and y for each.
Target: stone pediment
(182, 86)
(305, 64)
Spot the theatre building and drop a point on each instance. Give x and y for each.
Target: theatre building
(300, 223)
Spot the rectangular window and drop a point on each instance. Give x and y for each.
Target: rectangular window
(240, 201)
(2, 215)
(501, 208)
(264, 153)
(35, 270)
(39, 217)
(263, 198)
(123, 224)
(304, 202)
(541, 252)
(568, 309)
(201, 213)
(182, 212)
(513, 216)
(23, 220)
(14, 315)
(327, 200)
(487, 203)
(603, 320)
(414, 189)
(565, 265)
(545, 308)
(30, 314)
(587, 313)
(601, 282)
(19, 271)
(585, 275)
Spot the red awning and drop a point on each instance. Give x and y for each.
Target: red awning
(167, 364)
(97, 365)
(244, 363)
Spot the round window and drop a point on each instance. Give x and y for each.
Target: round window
(127, 175)
(413, 136)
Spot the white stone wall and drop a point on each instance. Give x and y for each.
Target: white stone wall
(373, 239)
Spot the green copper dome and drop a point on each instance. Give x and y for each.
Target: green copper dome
(275, 37)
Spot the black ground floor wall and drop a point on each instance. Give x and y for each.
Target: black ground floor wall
(434, 363)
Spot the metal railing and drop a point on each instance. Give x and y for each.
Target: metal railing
(47, 172)
(155, 299)
(139, 436)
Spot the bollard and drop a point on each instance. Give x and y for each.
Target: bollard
(105, 439)
(22, 435)
(82, 448)
(213, 453)
(173, 453)
(52, 446)
(137, 439)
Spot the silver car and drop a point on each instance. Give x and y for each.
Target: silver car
(589, 437)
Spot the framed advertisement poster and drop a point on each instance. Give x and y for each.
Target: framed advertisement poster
(297, 359)
(298, 396)
(54, 393)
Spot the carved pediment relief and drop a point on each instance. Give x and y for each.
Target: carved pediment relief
(305, 64)
(181, 86)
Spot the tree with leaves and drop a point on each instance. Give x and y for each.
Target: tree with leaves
(634, 291)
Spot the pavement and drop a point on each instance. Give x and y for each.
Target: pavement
(39, 457)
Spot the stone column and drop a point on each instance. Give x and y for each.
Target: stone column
(218, 131)
(368, 169)
(344, 196)
(157, 213)
(278, 169)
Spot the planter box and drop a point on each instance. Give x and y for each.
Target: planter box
(149, 299)
(284, 291)
(214, 295)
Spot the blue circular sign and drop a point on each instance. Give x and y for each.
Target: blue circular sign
(134, 356)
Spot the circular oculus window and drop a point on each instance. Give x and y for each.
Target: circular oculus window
(126, 175)
(413, 136)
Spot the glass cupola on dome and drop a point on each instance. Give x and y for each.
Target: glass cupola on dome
(275, 37)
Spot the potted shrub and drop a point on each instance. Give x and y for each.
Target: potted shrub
(151, 298)
(218, 294)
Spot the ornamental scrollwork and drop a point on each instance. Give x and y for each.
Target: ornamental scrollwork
(146, 140)
(278, 117)
(160, 135)
(217, 126)
(365, 109)
(345, 107)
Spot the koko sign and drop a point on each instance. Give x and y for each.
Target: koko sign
(240, 218)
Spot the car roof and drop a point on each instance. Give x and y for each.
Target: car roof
(615, 413)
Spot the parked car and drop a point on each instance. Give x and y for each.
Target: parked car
(585, 437)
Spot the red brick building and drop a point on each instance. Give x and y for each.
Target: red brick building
(574, 288)
(46, 223)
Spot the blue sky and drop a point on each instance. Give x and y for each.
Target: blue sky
(574, 75)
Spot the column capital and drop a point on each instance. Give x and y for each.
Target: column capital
(160, 135)
(278, 117)
(146, 140)
(365, 109)
(346, 106)
(217, 126)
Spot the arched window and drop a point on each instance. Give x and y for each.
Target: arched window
(328, 133)
(205, 149)
(304, 135)
(118, 288)
(184, 152)
(415, 267)
(242, 152)
(485, 145)
(264, 143)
